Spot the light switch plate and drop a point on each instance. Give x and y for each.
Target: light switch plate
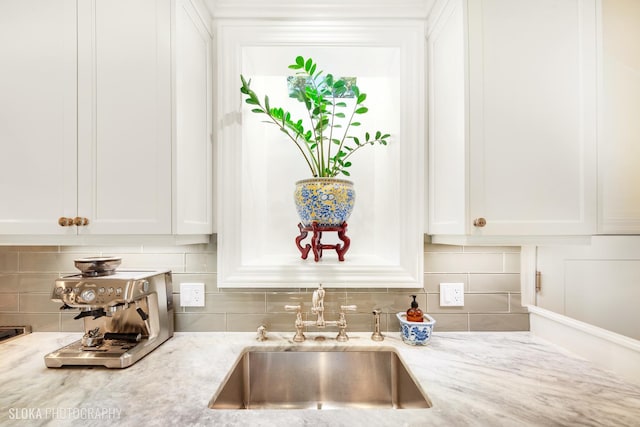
(192, 294)
(451, 294)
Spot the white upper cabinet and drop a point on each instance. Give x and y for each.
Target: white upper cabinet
(193, 150)
(512, 118)
(108, 118)
(619, 137)
(124, 116)
(38, 115)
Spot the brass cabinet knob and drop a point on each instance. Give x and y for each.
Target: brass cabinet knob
(65, 222)
(479, 222)
(80, 221)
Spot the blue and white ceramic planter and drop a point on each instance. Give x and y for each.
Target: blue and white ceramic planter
(416, 333)
(327, 201)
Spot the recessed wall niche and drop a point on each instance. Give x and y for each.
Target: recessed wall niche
(257, 166)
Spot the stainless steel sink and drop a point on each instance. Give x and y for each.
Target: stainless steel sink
(319, 380)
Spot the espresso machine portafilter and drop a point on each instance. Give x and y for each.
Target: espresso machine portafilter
(126, 314)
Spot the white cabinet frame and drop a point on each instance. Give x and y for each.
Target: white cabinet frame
(393, 197)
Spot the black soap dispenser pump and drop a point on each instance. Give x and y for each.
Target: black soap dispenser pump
(414, 314)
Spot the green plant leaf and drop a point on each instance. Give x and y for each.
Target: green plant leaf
(321, 95)
(328, 80)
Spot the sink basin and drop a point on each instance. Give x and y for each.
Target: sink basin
(319, 380)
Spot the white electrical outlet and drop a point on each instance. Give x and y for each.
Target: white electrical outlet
(192, 294)
(451, 294)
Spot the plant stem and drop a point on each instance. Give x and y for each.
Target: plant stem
(346, 131)
(333, 116)
(295, 140)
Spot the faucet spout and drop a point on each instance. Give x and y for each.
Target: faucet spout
(317, 302)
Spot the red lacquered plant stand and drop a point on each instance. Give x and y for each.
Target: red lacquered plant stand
(316, 246)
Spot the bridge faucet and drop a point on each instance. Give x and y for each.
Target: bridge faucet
(317, 308)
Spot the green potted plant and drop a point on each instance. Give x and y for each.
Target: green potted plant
(325, 138)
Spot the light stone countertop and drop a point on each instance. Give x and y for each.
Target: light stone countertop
(472, 379)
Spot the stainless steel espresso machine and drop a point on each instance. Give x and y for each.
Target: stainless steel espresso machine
(126, 314)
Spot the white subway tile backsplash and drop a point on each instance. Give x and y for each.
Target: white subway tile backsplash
(38, 303)
(37, 282)
(437, 262)
(8, 262)
(490, 274)
(174, 262)
(201, 263)
(494, 282)
(515, 303)
(54, 262)
(9, 283)
(453, 322)
(9, 303)
(499, 322)
(200, 322)
(442, 248)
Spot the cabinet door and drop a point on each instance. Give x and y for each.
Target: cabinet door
(193, 151)
(447, 122)
(618, 144)
(124, 113)
(37, 116)
(532, 116)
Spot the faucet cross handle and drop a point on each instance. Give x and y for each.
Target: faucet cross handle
(262, 333)
(299, 324)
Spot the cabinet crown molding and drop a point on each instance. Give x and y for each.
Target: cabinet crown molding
(327, 9)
